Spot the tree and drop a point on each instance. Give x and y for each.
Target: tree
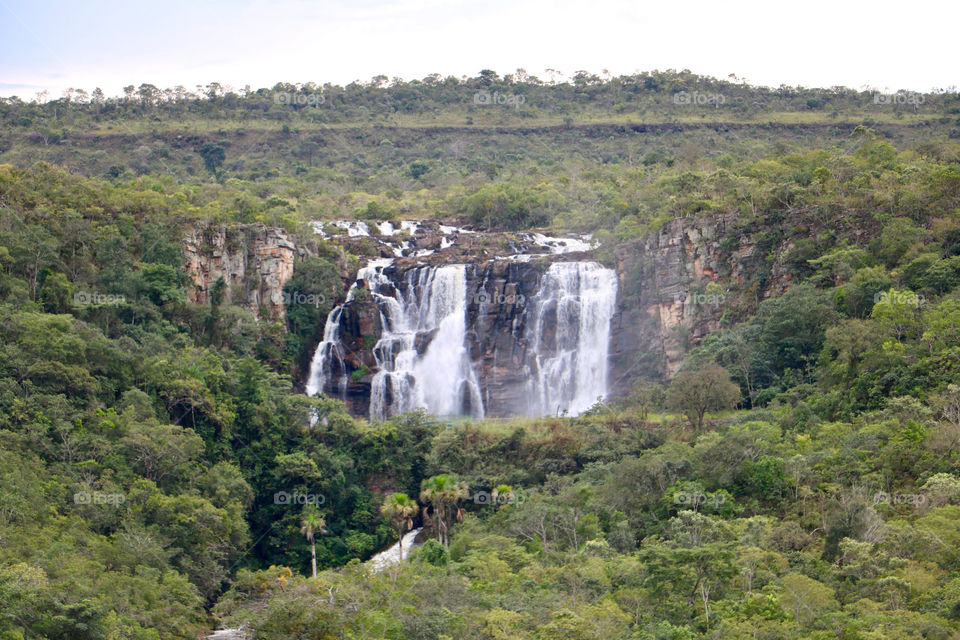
(161, 283)
(31, 257)
(897, 314)
(213, 155)
(162, 453)
(943, 330)
(149, 94)
(312, 524)
(737, 350)
(861, 293)
(417, 169)
(805, 598)
(793, 327)
(694, 392)
(845, 347)
(689, 568)
(444, 493)
(949, 405)
(644, 395)
(400, 509)
(942, 488)
(503, 494)
(505, 206)
(204, 540)
(308, 295)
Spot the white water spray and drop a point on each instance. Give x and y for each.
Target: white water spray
(440, 378)
(393, 555)
(569, 335)
(423, 359)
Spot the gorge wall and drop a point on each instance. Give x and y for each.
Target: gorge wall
(489, 323)
(255, 262)
(676, 284)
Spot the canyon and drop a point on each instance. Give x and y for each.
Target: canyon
(463, 322)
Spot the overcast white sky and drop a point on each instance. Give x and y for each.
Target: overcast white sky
(55, 44)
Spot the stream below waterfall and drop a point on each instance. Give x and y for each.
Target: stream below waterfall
(392, 555)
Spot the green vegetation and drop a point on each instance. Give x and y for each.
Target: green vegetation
(400, 510)
(159, 474)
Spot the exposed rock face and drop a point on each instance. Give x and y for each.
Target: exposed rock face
(665, 299)
(255, 262)
(666, 302)
(359, 329)
(499, 293)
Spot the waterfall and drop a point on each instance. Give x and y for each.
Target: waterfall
(327, 362)
(432, 305)
(569, 335)
(423, 357)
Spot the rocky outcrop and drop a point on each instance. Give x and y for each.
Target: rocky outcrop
(675, 286)
(499, 293)
(359, 330)
(255, 262)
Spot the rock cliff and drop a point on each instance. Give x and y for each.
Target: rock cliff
(255, 262)
(674, 287)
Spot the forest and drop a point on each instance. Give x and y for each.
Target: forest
(163, 474)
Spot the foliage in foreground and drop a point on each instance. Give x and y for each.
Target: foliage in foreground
(156, 466)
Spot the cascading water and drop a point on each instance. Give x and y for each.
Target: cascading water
(441, 379)
(395, 554)
(423, 359)
(569, 335)
(327, 363)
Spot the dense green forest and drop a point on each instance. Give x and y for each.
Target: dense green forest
(799, 477)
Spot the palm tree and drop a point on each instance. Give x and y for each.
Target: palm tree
(444, 493)
(312, 524)
(400, 509)
(430, 494)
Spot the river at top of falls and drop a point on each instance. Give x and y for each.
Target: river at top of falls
(391, 237)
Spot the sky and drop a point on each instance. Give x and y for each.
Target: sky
(53, 45)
